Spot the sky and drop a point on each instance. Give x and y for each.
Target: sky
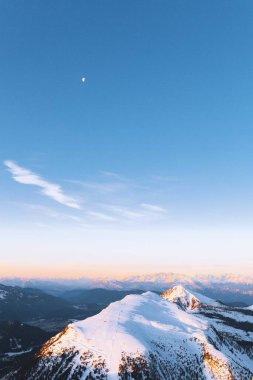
(144, 166)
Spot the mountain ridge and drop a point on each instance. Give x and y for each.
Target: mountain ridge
(149, 337)
(227, 287)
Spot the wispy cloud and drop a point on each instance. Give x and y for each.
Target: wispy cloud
(101, 216)
(111, 174)
(108, 198)
(52, 213)
(108, 183)
(153, 208)
(124, 212)
(102, 187)
(51, 190)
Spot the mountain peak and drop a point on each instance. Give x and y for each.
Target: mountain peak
(182, 297)
(144, 336)
(187, 300)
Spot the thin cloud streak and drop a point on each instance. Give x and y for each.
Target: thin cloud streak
(153, 208)
(51, 190)
(102, 187)
(124, 212)
(101, 216)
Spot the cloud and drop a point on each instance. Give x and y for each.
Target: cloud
(111, 174)
(103, 187)
(48, 212)
(153, 208)
(124, 212)
(51, 190)
(101, 216)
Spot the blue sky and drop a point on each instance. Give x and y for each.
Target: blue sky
(150, 159)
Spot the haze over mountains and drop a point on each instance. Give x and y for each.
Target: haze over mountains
(178, 335)
(226, 287)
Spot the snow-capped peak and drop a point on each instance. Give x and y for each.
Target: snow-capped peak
(185, 299)
(146, 337)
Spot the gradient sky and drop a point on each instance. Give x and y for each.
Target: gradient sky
(147, 165)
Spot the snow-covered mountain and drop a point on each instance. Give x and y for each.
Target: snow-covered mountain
(177, 336)
(186, 300)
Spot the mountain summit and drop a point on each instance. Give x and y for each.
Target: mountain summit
(186, 300)
(149, 337)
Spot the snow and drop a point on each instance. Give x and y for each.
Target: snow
(14, 343)
(10, 354)
(176, 327)
(3, 294)
(131, 325)
(250, 307)
(187, 300)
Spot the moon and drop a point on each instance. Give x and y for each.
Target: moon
(83, 79)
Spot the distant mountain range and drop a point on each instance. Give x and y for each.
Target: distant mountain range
(28, 303)
(36, 306)
(227, 288)
(178, 335)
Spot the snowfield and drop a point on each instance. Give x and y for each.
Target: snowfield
(3, 294)
(185, 299)
(131, 326)
(177, 336)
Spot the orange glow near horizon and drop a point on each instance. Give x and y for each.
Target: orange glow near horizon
(116, 271)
